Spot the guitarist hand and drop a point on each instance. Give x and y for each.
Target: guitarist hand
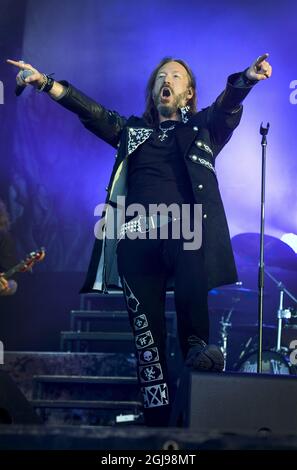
(7, 287)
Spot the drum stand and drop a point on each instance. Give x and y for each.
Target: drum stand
(281, 313)
(225, 324)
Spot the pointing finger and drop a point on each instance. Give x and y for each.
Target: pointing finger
(19, 64)
(261, 58)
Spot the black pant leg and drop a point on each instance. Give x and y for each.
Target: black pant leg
(191, 297)
(144, 282)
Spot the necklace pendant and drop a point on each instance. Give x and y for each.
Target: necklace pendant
(164, 132)
(163, 136)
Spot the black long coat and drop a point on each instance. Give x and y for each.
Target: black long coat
(200, 140)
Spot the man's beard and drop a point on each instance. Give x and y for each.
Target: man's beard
(169, 110)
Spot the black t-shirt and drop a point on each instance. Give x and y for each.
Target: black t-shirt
(157, 172)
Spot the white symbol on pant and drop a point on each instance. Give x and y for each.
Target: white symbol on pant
(143, 340)
(150, 355)
(140, 322)
(132, 301)
(147, 356)
(150, 373)
(155, 395)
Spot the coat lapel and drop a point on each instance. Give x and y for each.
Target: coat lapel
(136, 137)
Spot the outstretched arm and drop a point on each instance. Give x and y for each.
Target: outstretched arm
(106, 124)
(225, 113)
(36, 79)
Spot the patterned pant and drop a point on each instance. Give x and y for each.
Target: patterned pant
(144, 267)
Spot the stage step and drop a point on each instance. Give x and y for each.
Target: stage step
(113, 300)
(219, 298)
(97, 341)
(89, 387)
(23, 365)
(105, 341)
(84, 379)
(87, 404)
(87, 320)
(112, 321)
(83, 412)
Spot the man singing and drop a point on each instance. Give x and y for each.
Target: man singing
(167, 157)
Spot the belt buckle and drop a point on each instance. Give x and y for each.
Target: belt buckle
(146, 226)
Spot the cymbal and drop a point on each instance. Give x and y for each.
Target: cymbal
(234, 292)
(233, 297)
(276, 253)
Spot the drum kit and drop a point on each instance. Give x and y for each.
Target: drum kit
(277, 359)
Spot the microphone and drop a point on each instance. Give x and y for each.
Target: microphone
(23, 74)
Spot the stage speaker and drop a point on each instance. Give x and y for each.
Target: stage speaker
(260, 404)
(14, 407)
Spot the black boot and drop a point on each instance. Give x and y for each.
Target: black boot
(205, 358)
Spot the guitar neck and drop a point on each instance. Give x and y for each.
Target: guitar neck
(26, 265)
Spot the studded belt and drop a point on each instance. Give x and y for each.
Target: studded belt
(144, 224)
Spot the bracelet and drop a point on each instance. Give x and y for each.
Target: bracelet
(47, 83)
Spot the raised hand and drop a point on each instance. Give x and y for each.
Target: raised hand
(36, 79)
(260, 69)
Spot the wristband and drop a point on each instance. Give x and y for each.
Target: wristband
(47, 83)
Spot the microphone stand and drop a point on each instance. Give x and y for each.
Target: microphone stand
(263, 132)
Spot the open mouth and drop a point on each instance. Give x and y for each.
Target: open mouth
(166, 92)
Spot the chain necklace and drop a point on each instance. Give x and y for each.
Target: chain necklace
(164, 132)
